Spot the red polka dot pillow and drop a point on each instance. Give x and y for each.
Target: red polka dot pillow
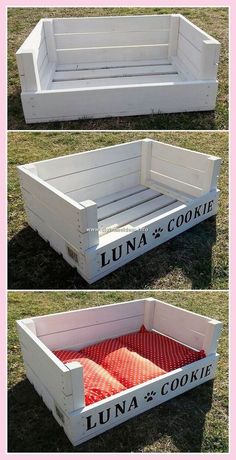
(98, 383)
(166, 353)
(126, 366)
(129, 367)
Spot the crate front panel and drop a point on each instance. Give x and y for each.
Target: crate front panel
(116, 251)
(112, 254)
(104, 415)
(119, 101)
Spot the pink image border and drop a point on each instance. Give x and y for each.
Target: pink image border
(3, 208)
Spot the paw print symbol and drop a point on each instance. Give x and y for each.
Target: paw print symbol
(150, 396)
(157, 232)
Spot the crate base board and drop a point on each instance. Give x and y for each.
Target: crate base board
(81, 426)
(114, 101)
(99, 261)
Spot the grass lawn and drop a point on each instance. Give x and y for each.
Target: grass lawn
(194, 422)
(196, 259)
(212, 20)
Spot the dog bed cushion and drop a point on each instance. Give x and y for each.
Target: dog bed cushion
(115, 365)
(128, 367)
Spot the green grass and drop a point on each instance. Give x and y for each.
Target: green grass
(213, 20)
(194, 422)
(197, 259)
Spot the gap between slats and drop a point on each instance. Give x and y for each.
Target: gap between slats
(126, 203)
(114, 72)
(126, 218)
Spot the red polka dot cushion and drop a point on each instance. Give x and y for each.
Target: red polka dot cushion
(98, 383)
(161, 350)
(130, 368)
(126, 366)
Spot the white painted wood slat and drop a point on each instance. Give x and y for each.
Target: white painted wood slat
(118, 53)
(121, 24)
(97, 40)
(115, 81)
(123, 71)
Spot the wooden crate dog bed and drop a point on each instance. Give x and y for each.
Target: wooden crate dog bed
(97, 367)
(97, 67)
(101, 209)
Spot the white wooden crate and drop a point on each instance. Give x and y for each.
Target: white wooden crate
(103, 208)
(97, 67)
(61, 385)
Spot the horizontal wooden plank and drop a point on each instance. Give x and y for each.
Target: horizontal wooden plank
(96, 175)
(112, 64)
(84, 161)
(179, 172)
(114, 72)
(115, 81)
(111, 24)
(87, 40)
(123, 101)
(106, 54)
(125, 203)
(104, 189)
(83, 318)
(125, 217)
(180, 156)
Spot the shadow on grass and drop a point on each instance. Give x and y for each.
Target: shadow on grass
(184, 120)
(33, 264)
(177, 425)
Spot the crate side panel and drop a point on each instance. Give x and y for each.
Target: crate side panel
(181, 325)
(41, 363)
